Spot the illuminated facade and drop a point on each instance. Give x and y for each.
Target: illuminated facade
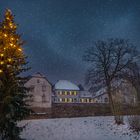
(67, 92)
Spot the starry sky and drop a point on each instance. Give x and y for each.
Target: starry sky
(57, 32)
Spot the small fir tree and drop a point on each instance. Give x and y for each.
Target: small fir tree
(13, 94)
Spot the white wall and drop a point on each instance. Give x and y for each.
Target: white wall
(39, 88)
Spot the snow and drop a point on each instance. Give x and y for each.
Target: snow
(100, 92)
(86, 128)
(85, 94)
(66, 85)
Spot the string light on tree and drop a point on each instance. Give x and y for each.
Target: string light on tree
(12, 64)
(12, 43)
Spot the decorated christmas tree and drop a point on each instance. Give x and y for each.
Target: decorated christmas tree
(13, 94)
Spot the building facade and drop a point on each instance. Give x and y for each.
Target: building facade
(40, 90)
(67, 92)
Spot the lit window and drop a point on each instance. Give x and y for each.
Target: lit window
(75, 93)
(70, 93)
(70, 99)
(60, 92)
(65, 92)
(65, 99)
(60, 99)
(82, 100)
(87, 100)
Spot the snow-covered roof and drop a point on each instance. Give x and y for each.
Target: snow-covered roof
(100, 92)
(85, 94)
(38, 75)
(66, 85)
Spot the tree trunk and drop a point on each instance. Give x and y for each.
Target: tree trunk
(110, 99)
(138, 93)
(118, 118)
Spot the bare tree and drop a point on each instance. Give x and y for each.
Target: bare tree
(108, 60)
(134, 77)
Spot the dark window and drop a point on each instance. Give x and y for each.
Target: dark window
(43, 98)
(106, 100)
(72, 92)
(43, 88)
(68, 93)
(32, 88)
(38, 81)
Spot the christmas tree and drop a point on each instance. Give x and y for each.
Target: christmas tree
(13, 94)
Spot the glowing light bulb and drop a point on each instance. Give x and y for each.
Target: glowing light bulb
(5, 35)
(1, 71)
(12, 38)
(20, 49)
(2, 54)
(7, 18)
(1, 62)
(11, 44)
(9, 59)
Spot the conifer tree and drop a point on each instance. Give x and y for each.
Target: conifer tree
(13, 94)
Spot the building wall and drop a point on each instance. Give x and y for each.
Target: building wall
(102, 98)
(65, 96)
(41, 91)
(72, 96)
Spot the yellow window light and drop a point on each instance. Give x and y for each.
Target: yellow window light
(1, 71)
(66, 100)
(75, 93)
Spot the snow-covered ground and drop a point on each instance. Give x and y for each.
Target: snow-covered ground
(86, 128)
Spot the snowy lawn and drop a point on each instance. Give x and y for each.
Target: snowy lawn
(86, 128)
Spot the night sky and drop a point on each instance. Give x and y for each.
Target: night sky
(57, 32)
